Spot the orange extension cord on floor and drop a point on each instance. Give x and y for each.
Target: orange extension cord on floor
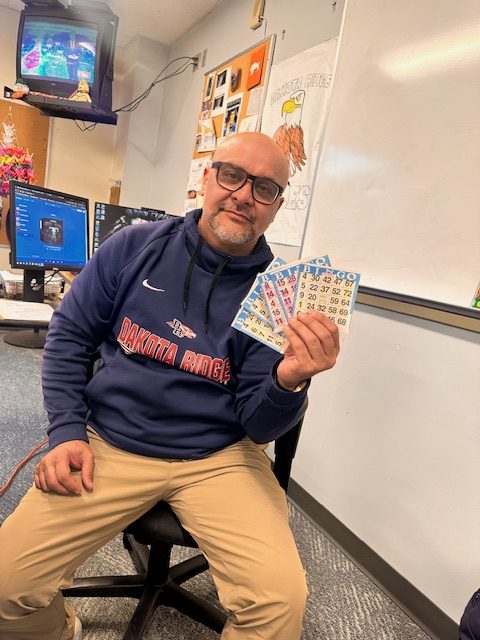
(22, 464)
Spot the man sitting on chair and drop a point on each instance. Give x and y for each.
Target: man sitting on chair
(175, 411)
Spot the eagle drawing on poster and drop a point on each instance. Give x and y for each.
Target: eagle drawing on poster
(289, 136)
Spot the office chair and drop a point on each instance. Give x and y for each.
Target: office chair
(150, 540)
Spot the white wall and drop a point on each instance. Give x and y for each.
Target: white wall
(144, 59)
(391, 444)
(391, 441)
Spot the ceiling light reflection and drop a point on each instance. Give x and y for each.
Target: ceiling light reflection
(458, 47)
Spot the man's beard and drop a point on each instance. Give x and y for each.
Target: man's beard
(239, 237)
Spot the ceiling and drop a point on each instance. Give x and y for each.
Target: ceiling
(161, 20)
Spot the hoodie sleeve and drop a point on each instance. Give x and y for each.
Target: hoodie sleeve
(79, 325)
(266, 410)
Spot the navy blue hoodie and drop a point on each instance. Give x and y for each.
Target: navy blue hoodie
(176, 380)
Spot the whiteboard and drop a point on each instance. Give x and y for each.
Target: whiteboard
(397, 189)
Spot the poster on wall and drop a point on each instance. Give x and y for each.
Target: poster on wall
(294, 115)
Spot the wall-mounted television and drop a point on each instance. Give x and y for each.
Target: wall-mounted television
(58, 46)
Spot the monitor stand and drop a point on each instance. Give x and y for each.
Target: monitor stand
(28, 338)
(33, 291)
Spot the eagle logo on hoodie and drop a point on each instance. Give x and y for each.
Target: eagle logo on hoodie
(181, 330)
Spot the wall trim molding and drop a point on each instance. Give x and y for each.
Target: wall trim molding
(455, 316)
(415, 604)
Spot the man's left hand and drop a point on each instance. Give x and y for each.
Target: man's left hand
(313, 346)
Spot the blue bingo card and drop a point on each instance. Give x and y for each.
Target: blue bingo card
(275, 264)
(256, 328)
(328, 290)
(255, 300)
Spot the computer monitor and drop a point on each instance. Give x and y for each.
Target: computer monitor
(48, 231)
(110, 218)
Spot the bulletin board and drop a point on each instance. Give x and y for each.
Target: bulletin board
(32, 130)
(231, 102)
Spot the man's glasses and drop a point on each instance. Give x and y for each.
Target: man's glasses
(232, 178)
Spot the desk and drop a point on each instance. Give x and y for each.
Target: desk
(35, 329)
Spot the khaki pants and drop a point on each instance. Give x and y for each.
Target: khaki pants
(230, 502)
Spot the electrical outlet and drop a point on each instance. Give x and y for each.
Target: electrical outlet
(196, 61)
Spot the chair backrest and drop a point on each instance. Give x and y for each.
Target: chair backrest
(285, 449)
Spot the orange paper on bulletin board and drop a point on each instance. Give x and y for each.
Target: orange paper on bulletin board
(255, 68)
(31, 129)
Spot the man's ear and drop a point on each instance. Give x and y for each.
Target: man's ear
(280, 202)
(206, 173)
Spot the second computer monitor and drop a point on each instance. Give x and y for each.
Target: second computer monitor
(110, 218)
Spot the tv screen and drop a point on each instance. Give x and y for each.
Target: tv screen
(110, 218)
(58, 49)
(48, 229)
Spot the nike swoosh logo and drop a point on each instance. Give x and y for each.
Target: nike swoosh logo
(149, 286)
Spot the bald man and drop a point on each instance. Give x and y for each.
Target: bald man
(176, 411)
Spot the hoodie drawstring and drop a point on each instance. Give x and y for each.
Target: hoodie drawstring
(220, 267)
(188, 277)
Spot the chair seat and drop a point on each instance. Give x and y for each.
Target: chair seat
(160, 524)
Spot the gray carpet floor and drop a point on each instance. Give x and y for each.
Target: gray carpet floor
(343, 604)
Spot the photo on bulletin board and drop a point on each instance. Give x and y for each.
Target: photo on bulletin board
(194, 199)
(222, 84)
(206, 109)
(218, 107)
(209, 87)
(223, 78)
(208, 141)
(232, 115)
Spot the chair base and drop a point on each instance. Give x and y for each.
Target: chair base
(152, 591)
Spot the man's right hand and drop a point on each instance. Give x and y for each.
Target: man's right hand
(53, 472)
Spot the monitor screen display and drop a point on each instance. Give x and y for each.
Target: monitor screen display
(110, 218)
(58, 49)
(49, 229)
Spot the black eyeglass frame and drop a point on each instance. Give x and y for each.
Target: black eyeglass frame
(248, 176)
